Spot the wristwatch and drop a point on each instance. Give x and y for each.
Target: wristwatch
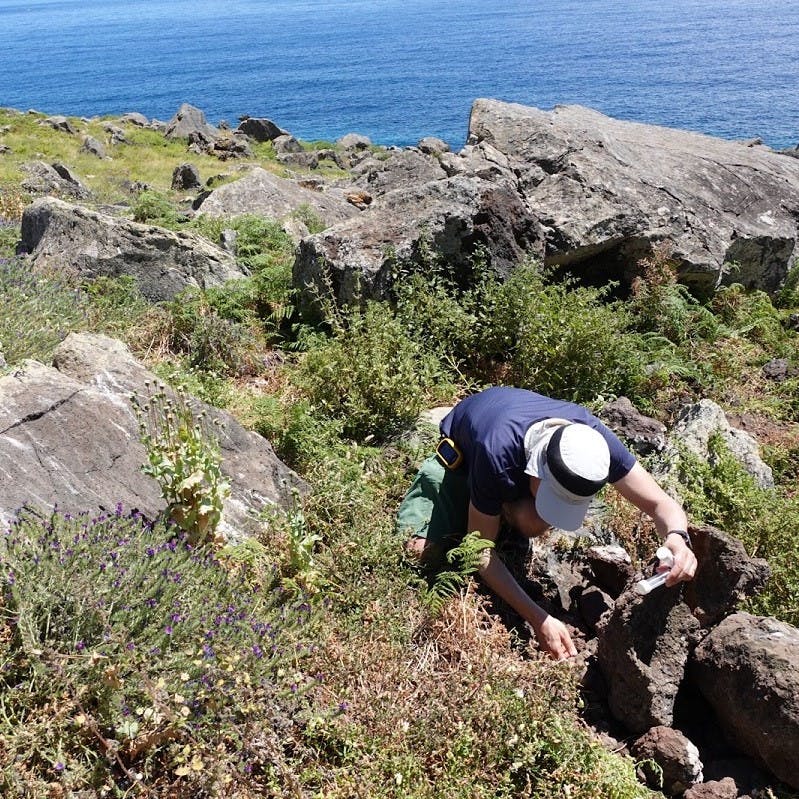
(684, 535)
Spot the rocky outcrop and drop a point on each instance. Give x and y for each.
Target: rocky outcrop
(598, 193)
(748, 670)
(265, 194)
(68, 435)
(62, 236)
(604, 187)
(56, 179)
(449, 218)
(695, 426)
(643, 648)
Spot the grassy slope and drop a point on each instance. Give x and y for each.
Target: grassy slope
(401, 704)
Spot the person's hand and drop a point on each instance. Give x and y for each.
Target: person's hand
(554, 638)
(684, 567)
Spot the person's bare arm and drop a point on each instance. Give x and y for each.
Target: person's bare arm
(640, 488)
(552, 634)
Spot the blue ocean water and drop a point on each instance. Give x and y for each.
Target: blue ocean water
(397, 70)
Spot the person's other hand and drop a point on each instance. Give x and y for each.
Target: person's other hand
(554, 638)
(684, 567)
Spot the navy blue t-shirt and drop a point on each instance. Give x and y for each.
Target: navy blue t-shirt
(489, 428)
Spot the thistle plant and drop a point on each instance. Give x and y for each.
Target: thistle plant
(183, 457)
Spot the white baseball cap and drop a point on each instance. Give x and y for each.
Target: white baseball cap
(573, 466)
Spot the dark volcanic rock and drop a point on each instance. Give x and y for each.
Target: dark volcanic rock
(55, 179)
(725, 575)
(186, 176)
(260, 129)
(643, 648)
(644, 434)
(676, 755)
(748, 669)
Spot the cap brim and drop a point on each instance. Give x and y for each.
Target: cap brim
(559, 510)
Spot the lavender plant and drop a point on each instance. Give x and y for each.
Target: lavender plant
(130, 656)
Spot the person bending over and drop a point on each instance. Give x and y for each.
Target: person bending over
(535, 462)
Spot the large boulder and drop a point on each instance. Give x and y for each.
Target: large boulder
(397, 169)
(69, 436)
(748, 669)
(62, 236)
(53, 179)
(452, 217)
(265, 194)
(605, 190)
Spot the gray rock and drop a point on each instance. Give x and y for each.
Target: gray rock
(187, 121)
(748, 669)
(134, 118)
(693, 429)
(354, 141)
(286, 143)
(163, 263)
(57, 179)
(430, 145)
(265, 194)
(725, 575)
(186, 176)
(117, 134)
(402, 169)
(300, 160)
(260, 129)
(777, 369)
(677, 756)
(644, 434)
(643, 647)
(93, 147)
(68, 435)
(605, 187)
(450, 218)
(60, 123)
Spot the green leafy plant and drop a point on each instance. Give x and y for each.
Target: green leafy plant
(718, 490)
(369, 374)
(183, 457)
(466, 558)
(156, 208)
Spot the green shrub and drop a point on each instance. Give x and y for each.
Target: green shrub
(131, 658)
(558, 338)
(788, 296)
(154, 208)
(719, 491)
(369, 374)
(749, 313)
(210, 341)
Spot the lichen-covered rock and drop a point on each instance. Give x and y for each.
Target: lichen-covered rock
(68, 436)
(163, 263)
